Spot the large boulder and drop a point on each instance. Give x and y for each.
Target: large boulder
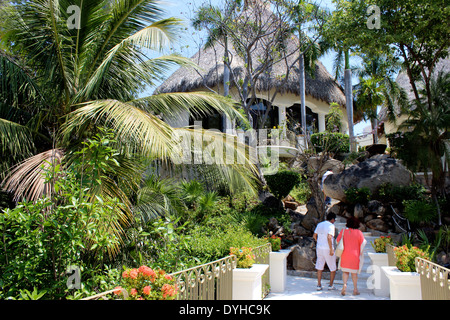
(370, 173)
(314, 164)
(304, 255)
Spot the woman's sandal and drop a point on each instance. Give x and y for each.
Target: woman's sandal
(343, 290)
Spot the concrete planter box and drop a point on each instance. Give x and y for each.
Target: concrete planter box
(278, 270)
(247, 284)
(403, 285)
(381, 283)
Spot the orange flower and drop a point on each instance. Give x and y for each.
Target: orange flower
(168, 277)
(134, 274)
(146, 271)
(133, 292)
(147, 290)
(118, 291)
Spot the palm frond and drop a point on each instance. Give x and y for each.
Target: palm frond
(26, 181)
(196, 103)
(158, 197)
(154, 37)
(141, 131)
(15, 139)
(229, 163)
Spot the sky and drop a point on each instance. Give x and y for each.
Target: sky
(190, 40)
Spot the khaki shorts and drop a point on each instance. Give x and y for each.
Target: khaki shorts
(323, 256)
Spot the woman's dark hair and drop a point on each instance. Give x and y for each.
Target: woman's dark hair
(353, 223)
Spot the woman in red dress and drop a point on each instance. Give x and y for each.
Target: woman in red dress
(351, 260)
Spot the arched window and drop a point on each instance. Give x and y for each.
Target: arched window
(293, 115)
(258, 110)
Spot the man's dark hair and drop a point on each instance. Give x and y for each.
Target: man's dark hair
(331, 216)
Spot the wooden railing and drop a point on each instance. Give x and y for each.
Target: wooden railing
(434, 280)
(210, 281)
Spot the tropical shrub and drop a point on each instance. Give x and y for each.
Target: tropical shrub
(397, 194)
(282, 182)
(275, 242)
(334, 142)
(145, 283)
(379, 244)
(406, 256)
(419, 210)
(244, 255)
(355, 195)
(301, 193)
(42, 239)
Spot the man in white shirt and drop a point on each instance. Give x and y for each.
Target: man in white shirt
(324, 236)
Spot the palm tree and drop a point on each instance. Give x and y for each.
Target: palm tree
(342, 61)
(309, 49)
(376, 88)
(214, 20)
(429, 128)
(67, 82)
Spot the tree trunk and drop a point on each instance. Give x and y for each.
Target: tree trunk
(302, 95)
(349, 106)
(375, 130)
(226, 123)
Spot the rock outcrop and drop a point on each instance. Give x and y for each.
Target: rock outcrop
(371, 173)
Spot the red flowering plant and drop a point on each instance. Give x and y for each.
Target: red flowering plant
(275, 242)
(406, 256)
(245, 257)
(148, 284)
(379, 245)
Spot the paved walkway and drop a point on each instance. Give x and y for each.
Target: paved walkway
(304, 288)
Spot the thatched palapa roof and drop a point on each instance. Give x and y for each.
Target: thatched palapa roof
(321, 86)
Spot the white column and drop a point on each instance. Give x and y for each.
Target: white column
(322, 125)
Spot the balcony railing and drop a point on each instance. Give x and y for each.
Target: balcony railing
(434, 280)
(262, 256)
(210, 281)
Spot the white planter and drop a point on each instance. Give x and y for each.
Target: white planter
(278, 270)
(247, 283)
(380, 284)
(403, 285)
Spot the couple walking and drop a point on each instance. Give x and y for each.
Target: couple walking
(351, 260)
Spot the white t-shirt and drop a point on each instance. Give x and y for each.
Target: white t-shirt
(323, 229)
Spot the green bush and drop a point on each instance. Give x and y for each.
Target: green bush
(419, 210)
(301, 193)
(397, 194)
(282, 182)
(334, 142)
(355, 195)
(41, 240)
(209, 244)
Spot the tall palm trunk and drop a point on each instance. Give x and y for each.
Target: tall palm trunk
(302, 94)
(349, 100)
(226, 122)
(374, 122)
